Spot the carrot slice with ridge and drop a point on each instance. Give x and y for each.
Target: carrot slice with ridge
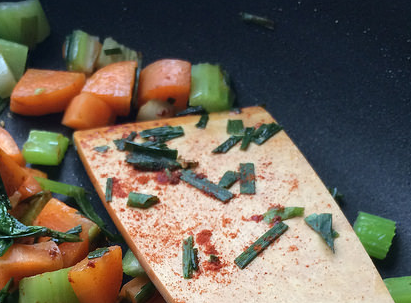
(87, 111)
(8, 144)
(165, 79)
(41, 92)
(114, 85)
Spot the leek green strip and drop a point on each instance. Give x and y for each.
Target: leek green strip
(247, 178)
(109, 189)
(190, 259)
(235, 127)
(202, 123)
(141, 200)
(227, 145)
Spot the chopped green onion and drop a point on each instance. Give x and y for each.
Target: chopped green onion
(113, 51)
(76, 230)
(190, 259)
(235, 127)
(151, 150)
(151, 163)
(265, 132)
(206, 186)
(375, 233)
(247, 178)
(283, 212)
(229, 178)
(101, 149)
(145, 293)
(203, 121)
(131, 266)
(141, 200)
(45, 148)
(322, 224)
(98, 253)
(399, 288)
(247, 138)
(262, 243)
(227, 145)
(121, 143)
(192, 110)
(109, 189)
(163, 133)
(258, 20)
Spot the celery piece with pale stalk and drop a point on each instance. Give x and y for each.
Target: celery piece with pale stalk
(7, 81)
(375, 233)
(47, 288)
(399, 288)
(210, 88)
(131, 266)
(112, 51)
(45, 148)
(81, 51)
(15, 55)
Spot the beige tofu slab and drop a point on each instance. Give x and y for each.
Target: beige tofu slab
(298, 267)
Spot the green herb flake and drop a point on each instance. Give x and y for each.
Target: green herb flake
(109, 189)
(247, 138)
(202, 123)
(322, 224)
(101, 149)
(163, 133)
(121, 143)
(141, 200)
(262, 243)
(39, 90)
(192, 110)
(151, 163)
(227, 145)
(113, 51)
(73, 231)
(265, 132)
(229, 178)
(145, 293)
(98, 253)
(190, 258)
(338, 197)
(247, 178)
(151, 150)
(283, 213)
(206, 186)
(235, 127)
(258, 20)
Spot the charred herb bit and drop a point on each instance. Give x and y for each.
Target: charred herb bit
(213, 259)
(265, 132)
(113, 51)
(202, 123)
(141, 200)
(101, 149)
(262, 243)
(98, 253)
(247, 178)
(235, 127)
(151, 163)
(121, 143)
(247, 138)
(258, 20)
(163, 133)
(145, 293)
(151, 150)
(109, 189)
(4, 292)
(322, 224)
(205, 185)
(283, 212)
(227, 145)
(190, 259)
(229, 178)
(192, 110)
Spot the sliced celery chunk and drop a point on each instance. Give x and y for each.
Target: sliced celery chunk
(15, 55)
(131, 266)
(210, 88)
(23, 22)
(399, 288)
(112, 51)
(49, 287)
(45, 148)
(7, 81)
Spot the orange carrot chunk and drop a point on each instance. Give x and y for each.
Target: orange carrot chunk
(8, 144)
(165, 79)
(114, 85)
(41, 92)
(61, 217)
(98, 279)
(87, 111)
(23, 260)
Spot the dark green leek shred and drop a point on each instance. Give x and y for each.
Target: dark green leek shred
(202, 123)
(247, 178)
(113, 51)
(3, 104)
(141, 200)
(101, 149)
(235, 127)
(145, 293)
(4, 292)
(98, 253)
(151, 163)
(192, 110)
(121, 143)
(134, 99)
(190, 258)
(163, 133)
(265, 132)
(247, 138)
(322, 224)
(72, 231)
(109, 189)
(229, 178)
(338, 197)
(283, 213)
(151, 150)
(258, 20)
(262, 243)
(227, 145)
(206, 186)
